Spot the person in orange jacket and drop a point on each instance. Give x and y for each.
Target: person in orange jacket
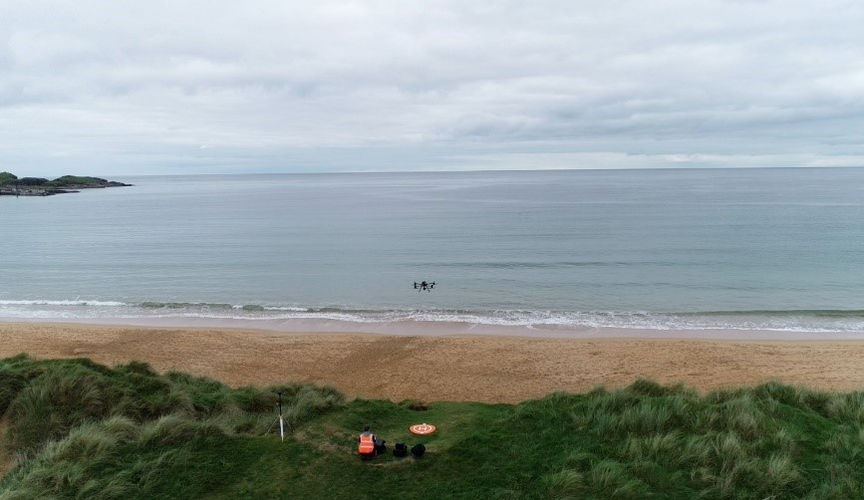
(366, 446)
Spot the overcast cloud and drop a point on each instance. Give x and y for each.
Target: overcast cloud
(118, 87)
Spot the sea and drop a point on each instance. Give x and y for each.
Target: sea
(779, 249)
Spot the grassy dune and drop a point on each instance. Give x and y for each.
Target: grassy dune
(75, 429)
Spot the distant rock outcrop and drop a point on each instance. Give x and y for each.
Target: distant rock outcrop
(11, 185)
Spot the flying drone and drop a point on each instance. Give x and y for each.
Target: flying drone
(424, 285)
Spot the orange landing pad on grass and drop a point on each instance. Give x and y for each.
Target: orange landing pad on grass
(422, 429)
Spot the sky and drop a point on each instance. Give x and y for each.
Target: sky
(181, 87)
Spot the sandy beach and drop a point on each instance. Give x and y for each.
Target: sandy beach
(454, 368)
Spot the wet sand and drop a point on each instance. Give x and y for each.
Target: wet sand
(485, 368)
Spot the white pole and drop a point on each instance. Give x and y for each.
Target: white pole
(281, 428)
(281, 420)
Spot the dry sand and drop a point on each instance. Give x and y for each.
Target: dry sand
(433, 368)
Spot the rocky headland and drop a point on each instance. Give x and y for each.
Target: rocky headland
(11, 185)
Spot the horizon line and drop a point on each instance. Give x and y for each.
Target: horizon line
(446, 171)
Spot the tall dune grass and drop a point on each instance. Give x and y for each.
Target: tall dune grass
(742, 443)
(82, 430)
(68, 419)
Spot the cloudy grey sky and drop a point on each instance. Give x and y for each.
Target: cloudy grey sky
(141, 87)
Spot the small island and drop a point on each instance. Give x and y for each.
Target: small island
(11, 185)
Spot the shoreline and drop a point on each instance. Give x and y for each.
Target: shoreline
(411, 328)
(453, 367)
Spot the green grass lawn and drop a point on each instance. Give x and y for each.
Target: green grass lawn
(75, 429)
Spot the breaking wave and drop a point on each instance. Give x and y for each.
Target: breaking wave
(823, 321)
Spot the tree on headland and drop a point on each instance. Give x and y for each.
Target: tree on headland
(6, 177)
(68, 180)
(31, 181)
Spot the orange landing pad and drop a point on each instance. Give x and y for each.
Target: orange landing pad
(422, 429)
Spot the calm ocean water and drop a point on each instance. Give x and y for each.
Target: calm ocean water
(662, 249)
